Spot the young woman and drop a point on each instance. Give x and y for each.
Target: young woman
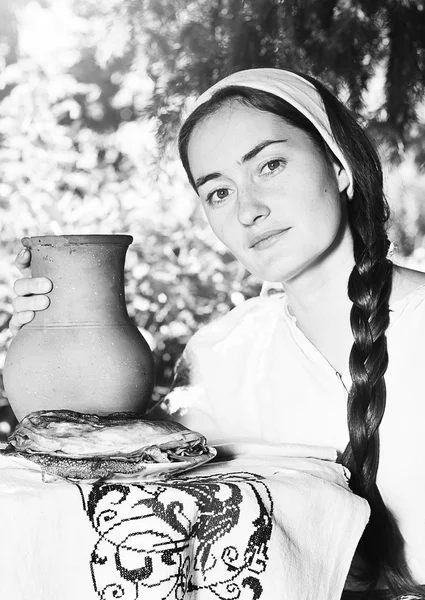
(293, 187)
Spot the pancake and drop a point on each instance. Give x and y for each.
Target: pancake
(81, 446)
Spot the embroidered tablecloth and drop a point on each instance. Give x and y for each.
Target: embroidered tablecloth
(265, 523)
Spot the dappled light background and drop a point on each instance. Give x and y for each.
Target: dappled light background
(91, 94)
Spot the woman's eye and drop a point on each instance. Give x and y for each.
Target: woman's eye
(272, 165)
(217, 196)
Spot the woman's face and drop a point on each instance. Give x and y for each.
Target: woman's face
(270, 194)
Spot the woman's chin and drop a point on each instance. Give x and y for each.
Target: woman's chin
(274, 275)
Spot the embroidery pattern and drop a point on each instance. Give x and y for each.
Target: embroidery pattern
(183, 538)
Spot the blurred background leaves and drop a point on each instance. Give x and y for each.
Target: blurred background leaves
(91, 97)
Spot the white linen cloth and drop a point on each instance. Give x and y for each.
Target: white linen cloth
(264, 522)
(255, 375)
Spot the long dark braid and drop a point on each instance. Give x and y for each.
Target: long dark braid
(369, 289)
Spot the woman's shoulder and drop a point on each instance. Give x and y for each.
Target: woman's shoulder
(406, 283)
(407, 304)
(251, 314)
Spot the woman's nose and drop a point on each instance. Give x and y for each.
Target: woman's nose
(251, 207)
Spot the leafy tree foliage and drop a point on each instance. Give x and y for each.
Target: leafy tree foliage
(342, 42)
(187, 45)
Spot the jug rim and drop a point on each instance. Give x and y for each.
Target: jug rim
(77, 240)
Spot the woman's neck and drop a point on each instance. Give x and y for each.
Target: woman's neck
(321, 287)
(319, 301)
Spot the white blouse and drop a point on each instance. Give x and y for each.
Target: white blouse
(255, 376)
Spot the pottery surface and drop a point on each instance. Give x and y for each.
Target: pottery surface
(83, 352)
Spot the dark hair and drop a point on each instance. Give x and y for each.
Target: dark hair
(369, 289)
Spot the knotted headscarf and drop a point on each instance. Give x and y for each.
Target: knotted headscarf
(298, 92)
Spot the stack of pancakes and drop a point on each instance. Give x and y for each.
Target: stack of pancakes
(81, 446)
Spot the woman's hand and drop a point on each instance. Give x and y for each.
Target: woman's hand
(29, 293)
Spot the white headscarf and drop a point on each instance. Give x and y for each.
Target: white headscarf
(298, 92)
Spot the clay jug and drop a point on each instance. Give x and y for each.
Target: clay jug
(82, 353)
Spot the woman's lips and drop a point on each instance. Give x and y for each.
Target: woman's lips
(267, 239)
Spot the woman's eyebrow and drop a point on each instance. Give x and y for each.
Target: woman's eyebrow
(205, 178)
(258, 149)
